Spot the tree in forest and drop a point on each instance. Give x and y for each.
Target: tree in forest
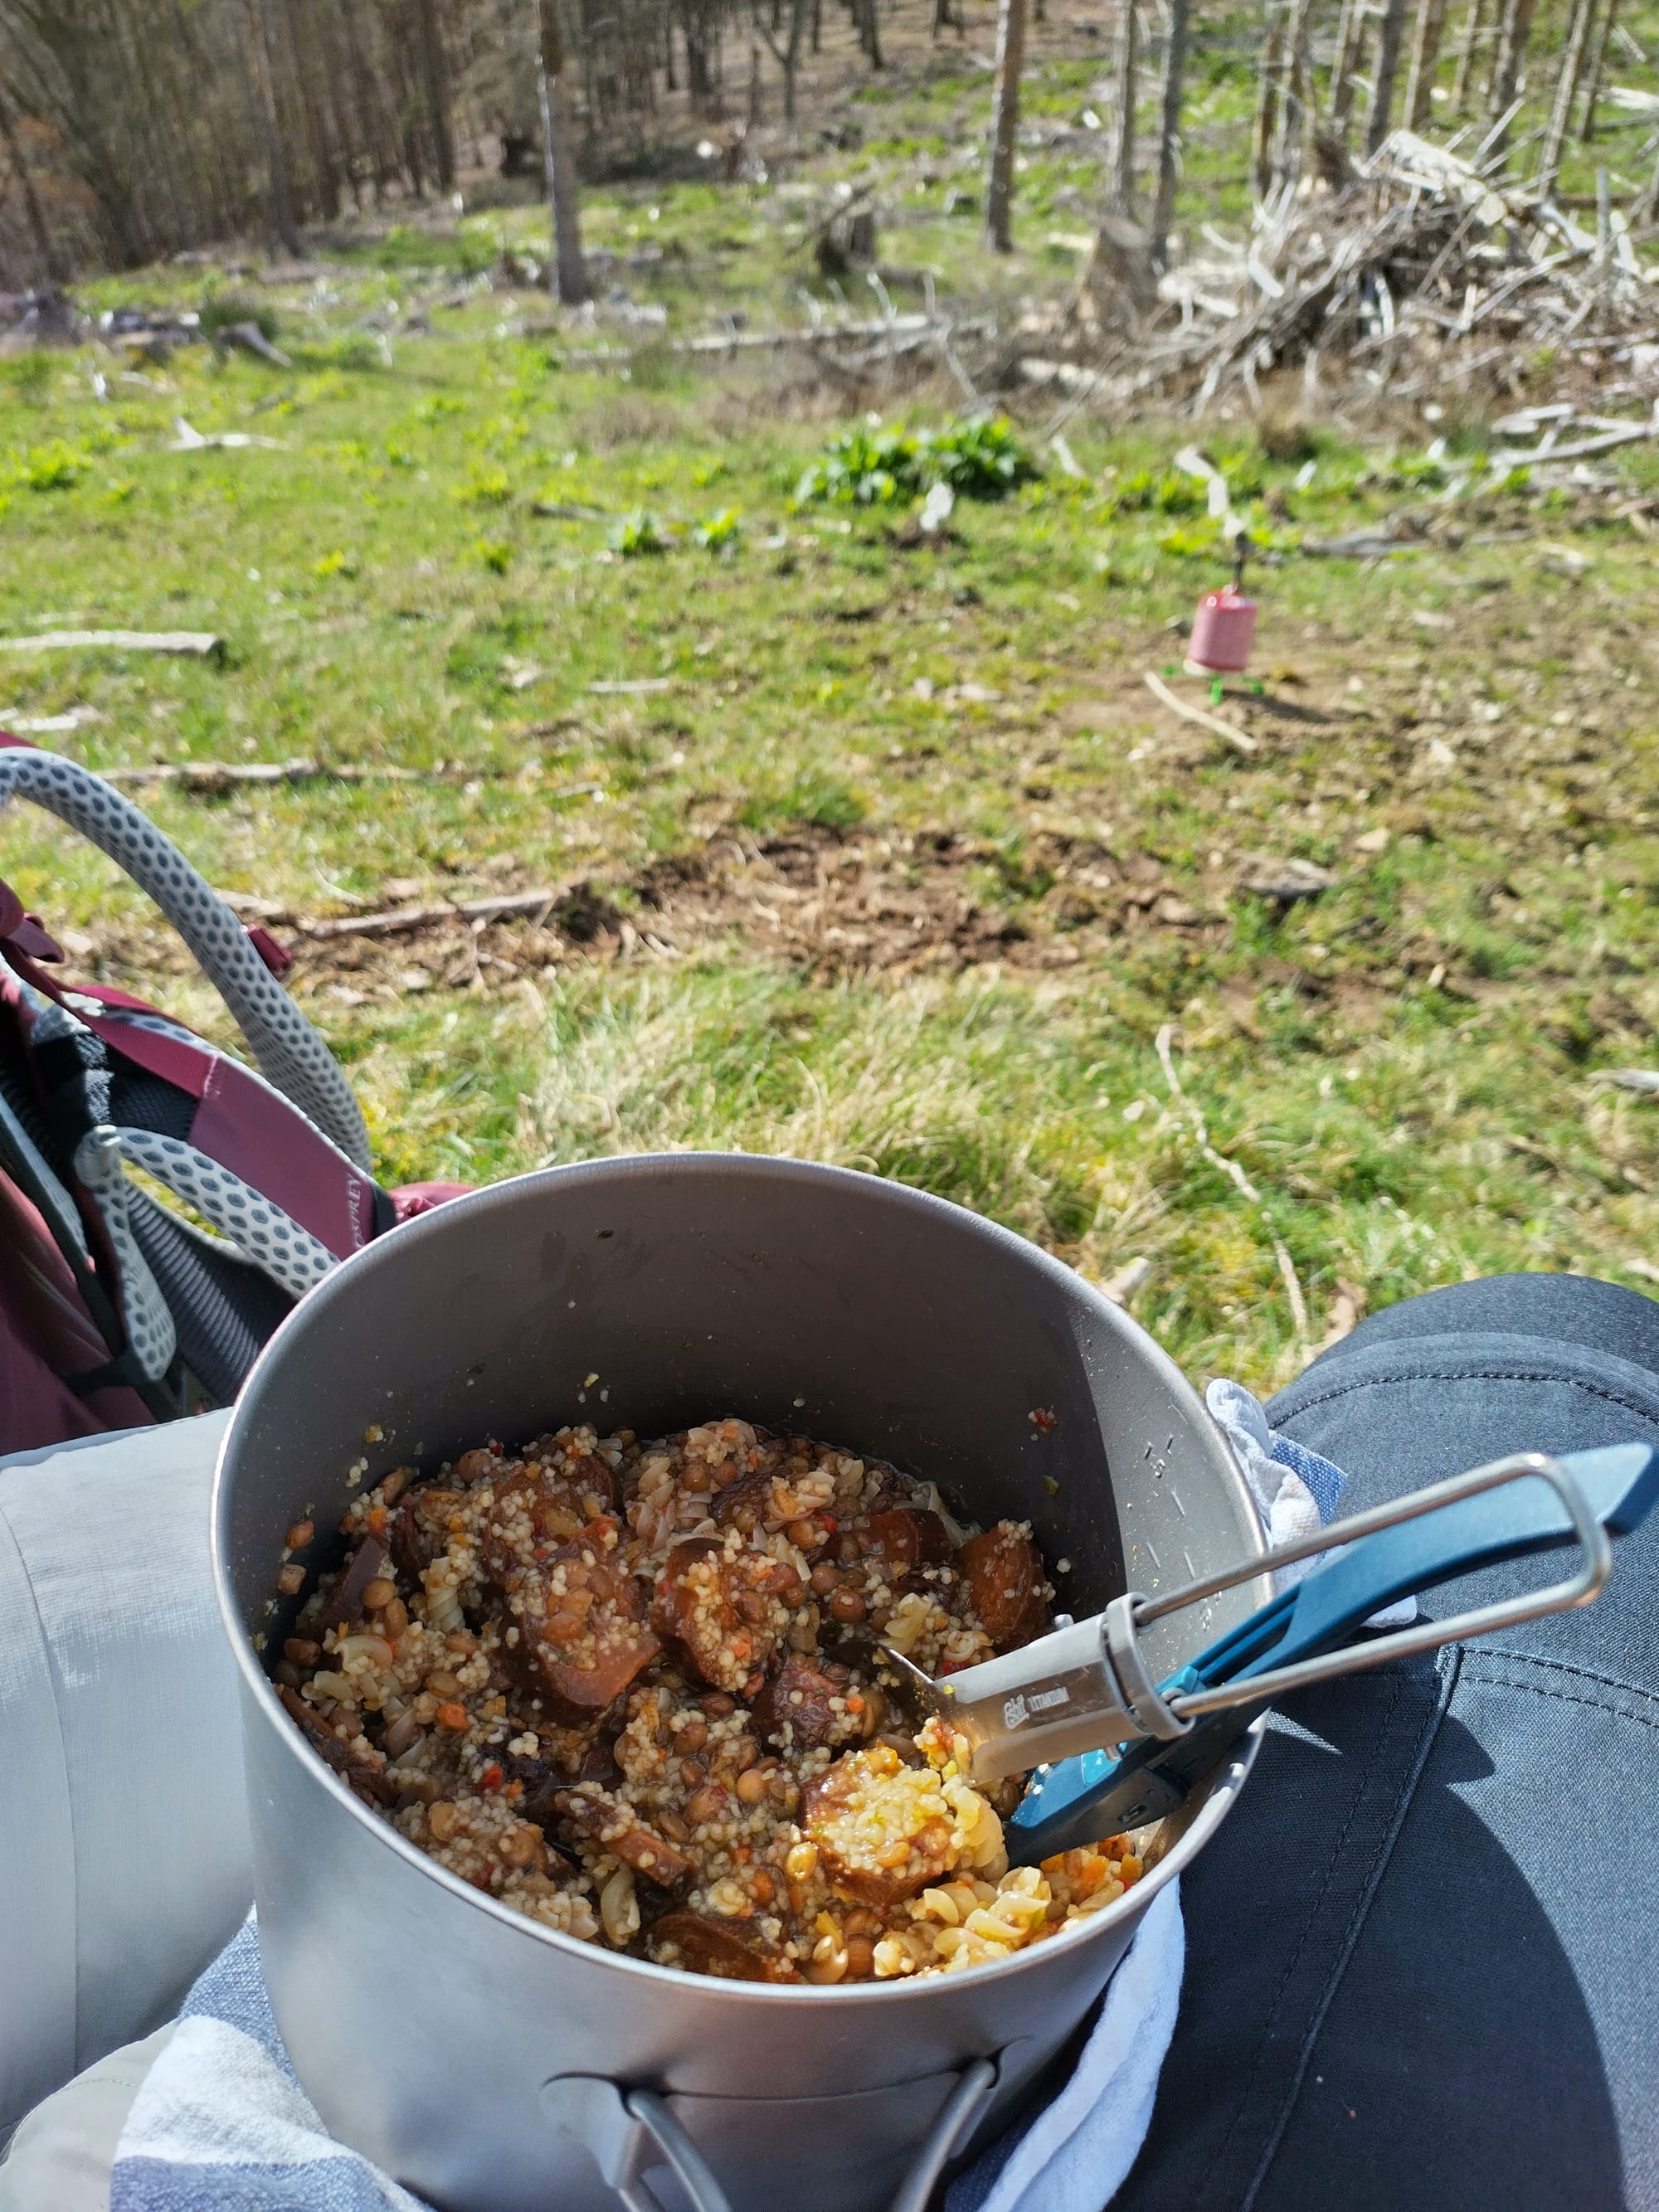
(1574, 54)
(1005, 124)
(569, 267)
(1126, 60)
(1514, 37)
(1390, 33)
(44, 244)
(1426, 60)
(786, 51)
(1168, 130)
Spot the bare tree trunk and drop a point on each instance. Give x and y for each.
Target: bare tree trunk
(434, 83)
(1389, 35)
(1264, 135)
(1425, 61)
(44, 246)
(285, 236)
(1296, 128)
(1474, 24)
(1349, 43)
(1598, 72)
(1168, 128)
(1566, 94)
(1005, 123)
(569, 272)
(754, 114)
(786, 52)
(1125, 67)
(1511, 55)
(870, 34)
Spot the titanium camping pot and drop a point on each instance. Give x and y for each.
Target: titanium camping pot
(491, 2064)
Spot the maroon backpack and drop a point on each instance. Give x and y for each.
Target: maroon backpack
(116, 1308)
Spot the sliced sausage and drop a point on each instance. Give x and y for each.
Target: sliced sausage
(418, 1529)
(731, 1951)
(794, 1709)
(606, 1820)
(742, 1504)
(724, 1616)
(883, 1833)
(345, 1599)
(905, 1538)
(582, 1636)
(536, 1508)
(1005, 1584)
(367, 1777)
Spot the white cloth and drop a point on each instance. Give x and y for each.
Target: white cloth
(1077, 2153)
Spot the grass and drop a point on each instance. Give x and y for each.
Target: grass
(1411, 1069)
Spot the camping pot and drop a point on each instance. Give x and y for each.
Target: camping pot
(490, 2063)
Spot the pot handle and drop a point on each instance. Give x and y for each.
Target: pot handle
(952, 2127)
(622, 2128)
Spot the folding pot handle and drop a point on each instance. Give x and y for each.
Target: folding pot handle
(621, 2129)
(628, 2130)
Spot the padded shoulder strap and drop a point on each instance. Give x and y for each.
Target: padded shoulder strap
(283, 1041)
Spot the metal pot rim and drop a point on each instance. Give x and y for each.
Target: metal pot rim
(343, 1281)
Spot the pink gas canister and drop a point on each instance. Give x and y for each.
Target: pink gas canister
(1223, 628)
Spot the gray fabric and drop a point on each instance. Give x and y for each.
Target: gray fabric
(124, 1851)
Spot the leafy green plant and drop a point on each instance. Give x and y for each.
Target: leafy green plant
(334, 564)
(486, 488)
(719, 532)
(979, 457)
(1192, 541)
(638, 535)
(1157, 491)
(496, 556)
(55, 466)
(864, 466)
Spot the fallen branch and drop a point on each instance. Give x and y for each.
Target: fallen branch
(1213, 723)
(201, 644)
(404, 921)
(196, 441)
(1626, 436)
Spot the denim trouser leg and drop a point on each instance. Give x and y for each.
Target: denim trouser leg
(1422, 1954)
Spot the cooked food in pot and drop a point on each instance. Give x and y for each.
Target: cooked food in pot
(600, 1680)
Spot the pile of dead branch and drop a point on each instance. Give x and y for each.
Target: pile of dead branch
(1413, 269)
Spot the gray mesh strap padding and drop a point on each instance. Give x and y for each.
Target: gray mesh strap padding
(274, 1242)
(147, 1316)
(283, 1041)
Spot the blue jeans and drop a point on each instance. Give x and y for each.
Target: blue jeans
(1423, 1953)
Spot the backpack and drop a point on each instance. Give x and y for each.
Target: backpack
(125, 1302)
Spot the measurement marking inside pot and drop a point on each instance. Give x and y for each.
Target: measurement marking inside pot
(1176, 1495)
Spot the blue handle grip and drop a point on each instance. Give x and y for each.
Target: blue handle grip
(1081, 1800)
(1620, 1483)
